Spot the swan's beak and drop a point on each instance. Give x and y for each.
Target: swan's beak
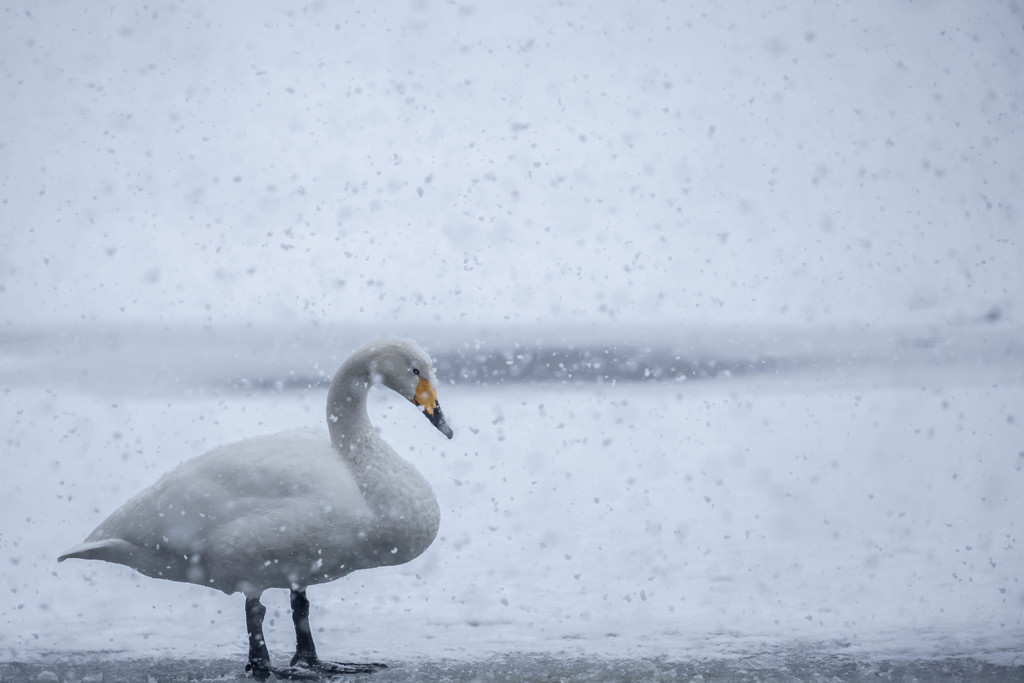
(437, 419)
(426, 398)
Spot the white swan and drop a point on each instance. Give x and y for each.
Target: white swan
(291, 509)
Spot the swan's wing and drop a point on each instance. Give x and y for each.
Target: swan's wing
(252, 485)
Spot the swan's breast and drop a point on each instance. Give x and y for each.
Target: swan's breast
(406, 516)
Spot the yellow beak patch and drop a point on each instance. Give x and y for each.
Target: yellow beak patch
(426, 396)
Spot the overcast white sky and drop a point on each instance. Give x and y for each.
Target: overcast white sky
(428, 161)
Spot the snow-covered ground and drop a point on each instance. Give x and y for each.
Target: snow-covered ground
(874, 514)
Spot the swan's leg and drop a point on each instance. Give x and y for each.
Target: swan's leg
(305, 650)
(259, 657)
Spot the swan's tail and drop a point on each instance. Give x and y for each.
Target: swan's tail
(155, 563)
(108, 550)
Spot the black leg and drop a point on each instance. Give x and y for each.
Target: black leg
(305, 650)
(259, 658)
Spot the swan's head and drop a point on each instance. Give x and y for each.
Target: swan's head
(405, 368)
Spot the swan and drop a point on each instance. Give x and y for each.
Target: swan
(289, 510)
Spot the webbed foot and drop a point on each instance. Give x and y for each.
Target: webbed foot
(259, 668)
(305, 668)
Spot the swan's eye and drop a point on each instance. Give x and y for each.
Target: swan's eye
(415, 371)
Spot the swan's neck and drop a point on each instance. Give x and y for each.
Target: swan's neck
(347, 419)
(406, 513)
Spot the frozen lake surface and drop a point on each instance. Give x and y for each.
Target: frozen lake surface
(774, 667)
(778, 526)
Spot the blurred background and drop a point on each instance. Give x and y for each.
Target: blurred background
(562, 164)
(206, 205)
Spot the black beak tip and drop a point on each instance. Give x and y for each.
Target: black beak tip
(437, 419)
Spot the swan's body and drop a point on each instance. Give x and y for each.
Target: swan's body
(271, 512)
(291, 509)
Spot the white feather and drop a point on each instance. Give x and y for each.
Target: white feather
(290, 509)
